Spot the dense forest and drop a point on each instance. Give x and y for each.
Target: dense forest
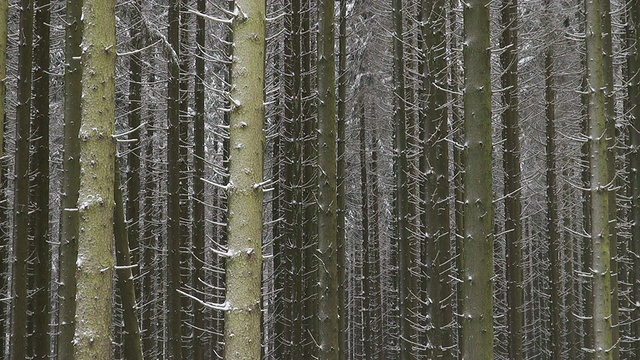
(320, 179)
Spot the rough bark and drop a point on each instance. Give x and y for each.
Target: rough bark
(477, 250)
(95, 262)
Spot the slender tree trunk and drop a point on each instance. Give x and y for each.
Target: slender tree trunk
(608, 70)
(367, 291)
(70, 179)
(244, 264)
(4, 236)
(132, 339)
(477, 251)
(376, 278)
(552, 204)
(633, 76)
(327, 270)
(401, 186)
(40, 189)
(341, 173)
(198, 276)
(95, 263)
(134, 151)
(174, 308)
(512, 183)
(601, 258)
(19, 273)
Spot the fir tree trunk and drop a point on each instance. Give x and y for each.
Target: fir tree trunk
(70, 179)
(174, 300)
(95, 263)
(512, 183)
(198, 276)
(4, 249)
(40, 190)
(552, 206)
(19, 273)
(327, 270)
(477, 250)
(601, 258)
(126, 288)
(244, 264)
(633, 76)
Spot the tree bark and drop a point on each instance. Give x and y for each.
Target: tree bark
(95, 262)
(40, 189)
(70, 179)
(126, 287)
(477, 251)
(19, 273)
(601, 258)
(244, 262)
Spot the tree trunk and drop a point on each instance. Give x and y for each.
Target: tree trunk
(633, 76)
(244, 264)
(477, 251)
(174, 300)
(40, 190)
(132, 340)
(601, 259)
(19, 273)
(4, 236)
(512, 183)
(94, 266)
(327, 270)
(552, 203)
(341, 173)
(70, 179)
(198, 276)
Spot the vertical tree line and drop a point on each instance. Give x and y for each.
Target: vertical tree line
(287, 179)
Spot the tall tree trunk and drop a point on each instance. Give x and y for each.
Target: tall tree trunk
(401, 210)
(198, 275)
(94, 267)
(376, 278)
(552, 202)
(601, 258)
(244, 264)
(512, 183)
(327, 270)
(174, 308)
(609, 100)
(633, 76)
(134, 151)
(70, 179)
(341, 173)
(435, 189)
(367, 291)
(477, 251)
(4, 236)
(126, 288)
(21, 190)
(40, 189)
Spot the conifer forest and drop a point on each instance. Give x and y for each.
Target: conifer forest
(320, 179)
